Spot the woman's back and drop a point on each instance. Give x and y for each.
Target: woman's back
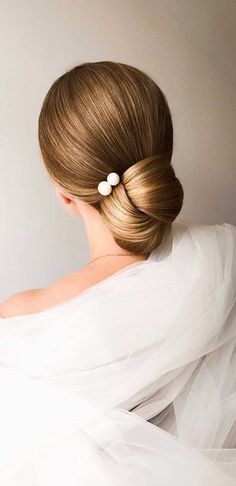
(157, 338)
(37, 300)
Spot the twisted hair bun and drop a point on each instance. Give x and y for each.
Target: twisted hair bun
(140, 209)
(105, 117)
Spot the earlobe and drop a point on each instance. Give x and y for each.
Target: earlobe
(67, 202)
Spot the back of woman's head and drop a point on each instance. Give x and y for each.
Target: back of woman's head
(103, 117)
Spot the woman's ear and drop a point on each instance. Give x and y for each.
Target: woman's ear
(68, 202)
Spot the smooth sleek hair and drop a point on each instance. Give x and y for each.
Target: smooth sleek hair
(102, 117)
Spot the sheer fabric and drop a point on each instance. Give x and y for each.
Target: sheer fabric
(133, 382)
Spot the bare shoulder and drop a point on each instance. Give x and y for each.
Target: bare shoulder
(37, 300)
(19, 303)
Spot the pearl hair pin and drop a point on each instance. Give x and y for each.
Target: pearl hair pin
(105, 187)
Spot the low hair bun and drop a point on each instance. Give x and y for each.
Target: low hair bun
(141, 209)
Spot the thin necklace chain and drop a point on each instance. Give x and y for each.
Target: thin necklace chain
(116, 254)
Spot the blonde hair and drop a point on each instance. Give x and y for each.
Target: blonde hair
(102, 117)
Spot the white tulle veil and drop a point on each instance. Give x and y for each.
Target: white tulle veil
(133, 381)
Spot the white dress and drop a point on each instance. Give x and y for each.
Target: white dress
(133, 382)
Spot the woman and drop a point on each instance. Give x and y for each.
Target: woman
(121, 373)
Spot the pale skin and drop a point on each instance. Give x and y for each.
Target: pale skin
(100, 242)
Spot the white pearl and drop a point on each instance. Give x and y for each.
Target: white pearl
(113, 178)
(104, 188)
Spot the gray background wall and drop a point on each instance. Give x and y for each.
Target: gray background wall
(187, 46)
